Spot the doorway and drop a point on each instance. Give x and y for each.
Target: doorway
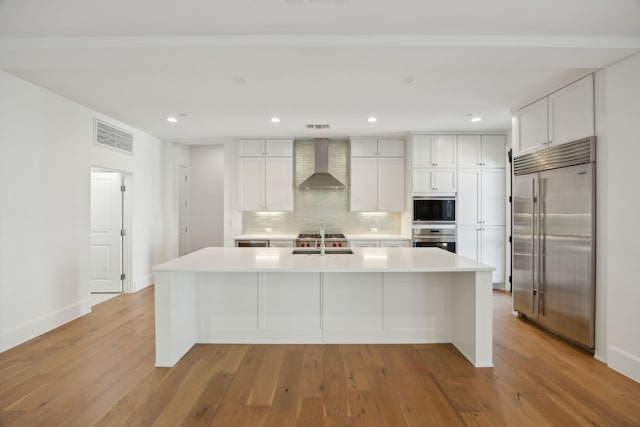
(109, 242)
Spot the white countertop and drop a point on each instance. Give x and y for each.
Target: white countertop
(227, 259)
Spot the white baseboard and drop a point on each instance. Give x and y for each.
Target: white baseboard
(139, 283)
(626, 363)
(38, 326)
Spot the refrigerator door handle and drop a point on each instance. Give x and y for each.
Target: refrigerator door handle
(533, 243)
(541, 248)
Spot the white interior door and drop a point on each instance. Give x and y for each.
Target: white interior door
(183, 236)
(106, 224)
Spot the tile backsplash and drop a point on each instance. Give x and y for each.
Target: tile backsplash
(314, 206)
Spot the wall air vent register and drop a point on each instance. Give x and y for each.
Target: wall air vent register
(112, 137)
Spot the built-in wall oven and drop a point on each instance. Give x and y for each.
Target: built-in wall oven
(434, 210)
(444, 238)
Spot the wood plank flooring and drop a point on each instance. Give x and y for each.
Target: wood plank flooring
(98, 370)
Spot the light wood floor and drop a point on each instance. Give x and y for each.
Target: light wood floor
(98, 370)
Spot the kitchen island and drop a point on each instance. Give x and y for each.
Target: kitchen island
(375, 295)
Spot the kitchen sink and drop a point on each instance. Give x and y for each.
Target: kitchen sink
(327, 252)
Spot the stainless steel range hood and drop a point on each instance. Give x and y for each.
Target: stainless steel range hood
(321, 179)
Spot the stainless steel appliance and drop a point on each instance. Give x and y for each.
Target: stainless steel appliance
(554, 239)
(252, 243)
(434, 210)
(313, 240)
(444, 238)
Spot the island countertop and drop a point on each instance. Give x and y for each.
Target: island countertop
(231, 259)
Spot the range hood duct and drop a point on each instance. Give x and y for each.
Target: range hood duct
(321, 179)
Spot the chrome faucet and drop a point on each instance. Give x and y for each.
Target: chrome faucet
(322, 238)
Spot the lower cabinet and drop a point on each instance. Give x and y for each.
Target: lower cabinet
(364, 243)
(281, 243)
(395, 243)
(484, 244)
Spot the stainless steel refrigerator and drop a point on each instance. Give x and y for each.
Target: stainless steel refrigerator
(554, 239)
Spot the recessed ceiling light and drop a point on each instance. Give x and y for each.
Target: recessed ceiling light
(172, 119)
(372, 119)
(275, 119)
(476, 119)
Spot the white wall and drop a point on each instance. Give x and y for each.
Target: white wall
(232, 214)
(620, 201)
(174, 156)
(206, 196)
(46, 152)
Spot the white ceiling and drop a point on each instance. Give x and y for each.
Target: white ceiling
(230, 66)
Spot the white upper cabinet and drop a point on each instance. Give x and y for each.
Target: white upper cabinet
(571, 112)
(391, 147)
(532, 127)
(443, 151)
(262, 147)
(377, 175)
(433, 151)
(434, 180)
(265, 175)
(251, 147)
(469, 151)
(377, 147)
(434, 163)
(364, 147)
(564, 116)
(481, 151)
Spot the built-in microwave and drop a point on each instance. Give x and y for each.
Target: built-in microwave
(434, 210)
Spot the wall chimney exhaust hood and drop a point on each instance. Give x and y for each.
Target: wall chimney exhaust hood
(321, 179)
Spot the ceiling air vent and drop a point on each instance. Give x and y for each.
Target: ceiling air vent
(313, 126)
(113, 137)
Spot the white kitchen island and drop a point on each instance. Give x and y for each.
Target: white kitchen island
(376, 295)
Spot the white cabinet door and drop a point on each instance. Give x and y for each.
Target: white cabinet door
(391, 184)
(443, 151)
(493, 197)
(493, 151)
(391, 147)
(469, 151)
(395, 243)
(444, 180)
(281, 243)
(251, 183)
(364, 243)
(468, 242)
(364, 147)
(468, 198)
(279, 184)
(251, 147)
(492, 250)
(571, 112)
(422, 181)
(279, 147)
(434, 181)
(422, 151)
(364, 184)
(532, 125)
